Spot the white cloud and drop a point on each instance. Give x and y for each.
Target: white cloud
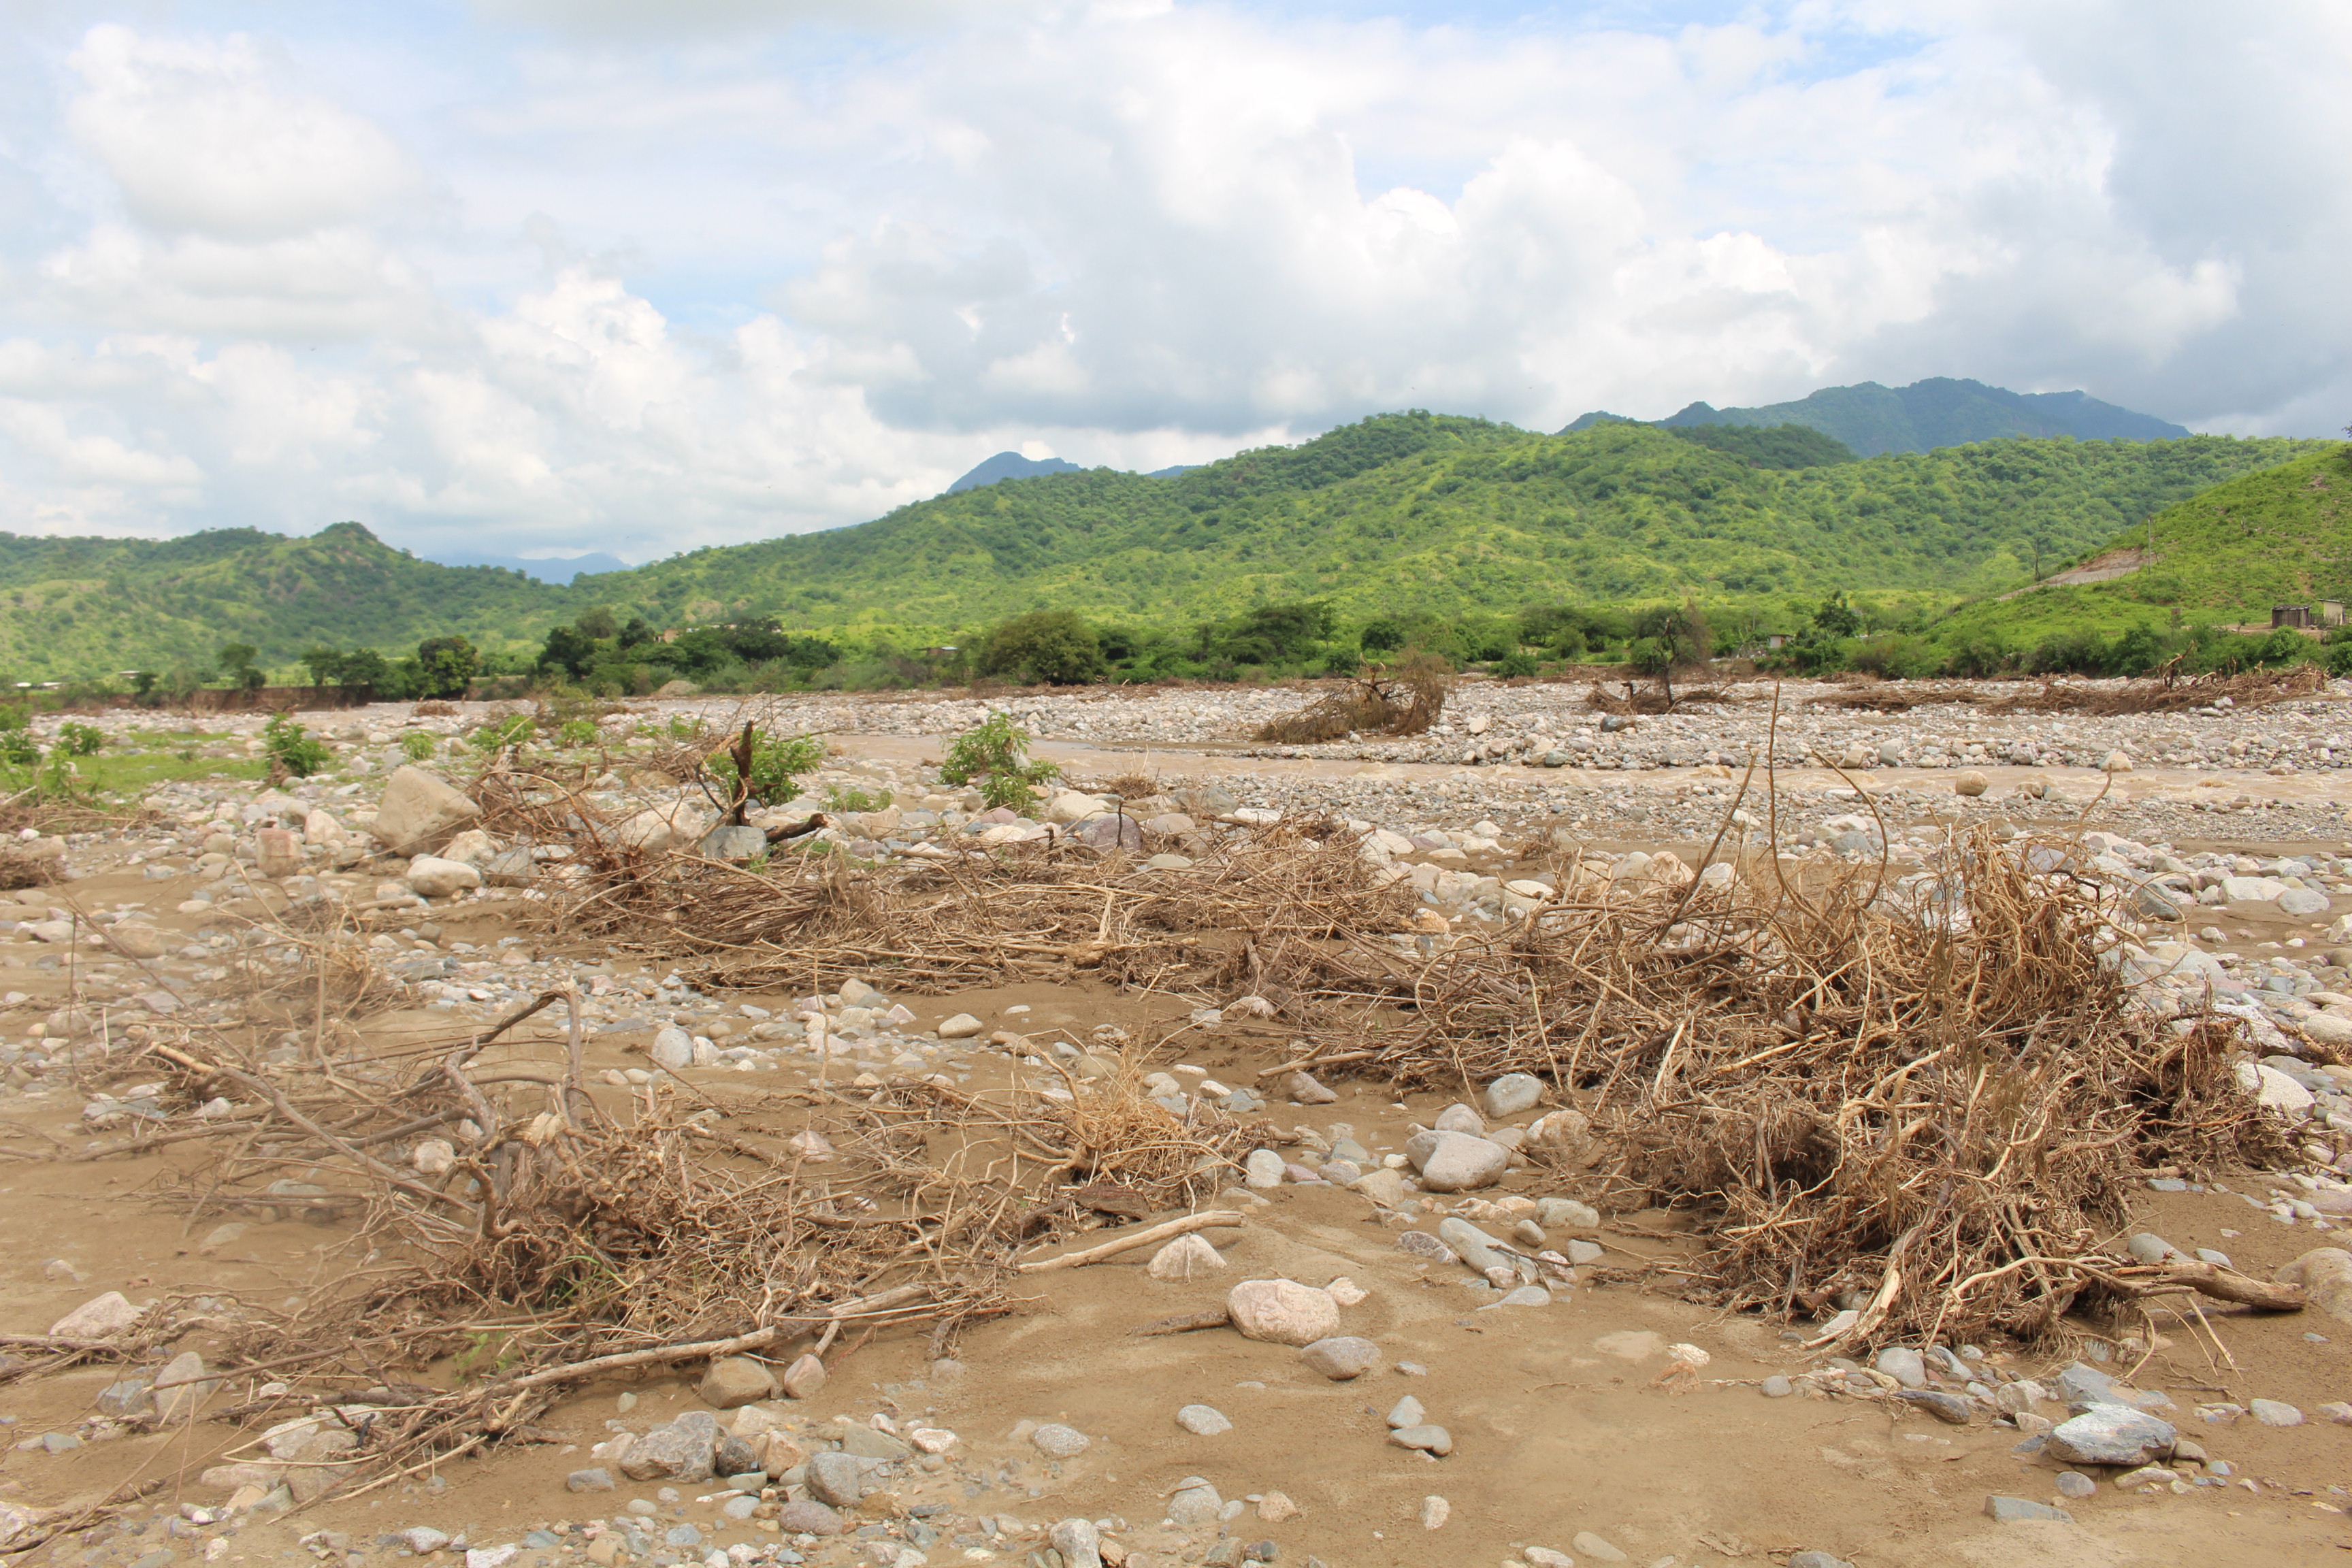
(643, 278)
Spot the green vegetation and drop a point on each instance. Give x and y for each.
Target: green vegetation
(995, 753)
(1404, 528)
(292, 749)
(778, 764)
(1769, 446)
(415, 745)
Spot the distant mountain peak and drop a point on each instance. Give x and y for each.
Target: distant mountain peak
(1940, 411)
(1010, 466)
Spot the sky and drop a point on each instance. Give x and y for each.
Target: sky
(546, 276)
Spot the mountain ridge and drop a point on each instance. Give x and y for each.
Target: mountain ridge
(1400, 514)
(1939, 411)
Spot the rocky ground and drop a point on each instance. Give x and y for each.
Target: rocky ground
(1533, 1416)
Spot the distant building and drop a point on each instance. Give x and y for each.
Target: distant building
(1776, 641)
(2293, 616)
(2331, 612)
(938, 652)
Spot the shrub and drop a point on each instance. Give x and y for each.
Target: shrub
(995, 753)
(291, 749)
(850, 798)
(1516, 664)
(416, 745)
(79, 740)
(18, 749)
(778, 762)
(1051, 645)
(574, 732)
(510, 731)
(446, 667)
(1381, 635)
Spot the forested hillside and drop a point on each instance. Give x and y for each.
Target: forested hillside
(1400, 514)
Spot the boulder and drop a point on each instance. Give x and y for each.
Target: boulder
(1282, 1311)
(1186, 1257)
(277, 852)
(805, 1379)
(1513, 1094)
(1970, 783)
(2113, 1434)
(2325, 1275)
(473, 847)
(1069, 806)
(420, 811)
(1341, 1357)
(809, 1519)
(510, 869)
(1459, 1162)
(1109, 832)
(735, 845)
(431, 877)
(735, 1380)
(182, 1388)
(134, 940)
(103, 1317)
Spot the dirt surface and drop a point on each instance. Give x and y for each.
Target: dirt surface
(1564, 1419)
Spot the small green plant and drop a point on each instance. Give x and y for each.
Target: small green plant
(850, 798)
(18, 749)
(416, 745)
(576, 732)
(1515, 665)
(511, 732)
(293, 749)
(13, 718)
(778, 764)
(79, 740)
(684, 727)
(994, 754)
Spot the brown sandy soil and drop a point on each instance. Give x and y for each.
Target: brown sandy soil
(1559, 1422)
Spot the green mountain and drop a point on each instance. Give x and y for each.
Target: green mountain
(2279, 536)
(96, 606)
(1401, 513)
(1937, 412)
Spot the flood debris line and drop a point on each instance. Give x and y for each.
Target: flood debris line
(511, 1224)
(1924, 1101)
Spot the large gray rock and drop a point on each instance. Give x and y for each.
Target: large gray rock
(1109, 833)
(682, 1450)
(734, 844)
(2113, 1434)
(1341, 1356)
(1079, 1543)
(182, 1388)
(431, 877)
(1458, 1163)
(420, 811)
(809, 1519)
(1195, 1505)
(837, 1480)
(1471, 1245)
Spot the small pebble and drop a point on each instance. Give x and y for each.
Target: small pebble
(1203, 1420)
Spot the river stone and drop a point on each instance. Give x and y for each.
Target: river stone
(1341, 1357)
(1567, 1213)
(837, 1480)
(1472, 1245)
(1263, 1168)
(1905, 1365)
(1461, 1119)
(1282, 1311)
(100, 1318)
(1056, 1441)
(805, 1379)
(1426, 1438)
(1203, 1420)
(1077, 1539)
(182, 1387)
(420, 811)
(2113, 1434)
(735, 1380)
(2303, 901)
(2269, 1411)
(669, 1453)
(2012, 1509)
(809, 1519)
(1405, 1412)
(1186, 1257)
(1513, 1094)
(673, 1047)
(1195, 1505)
(1969, 783)
(1459, 1162)
(1592, 1545)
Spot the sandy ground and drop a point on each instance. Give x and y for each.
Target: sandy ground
(1559, 1423)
